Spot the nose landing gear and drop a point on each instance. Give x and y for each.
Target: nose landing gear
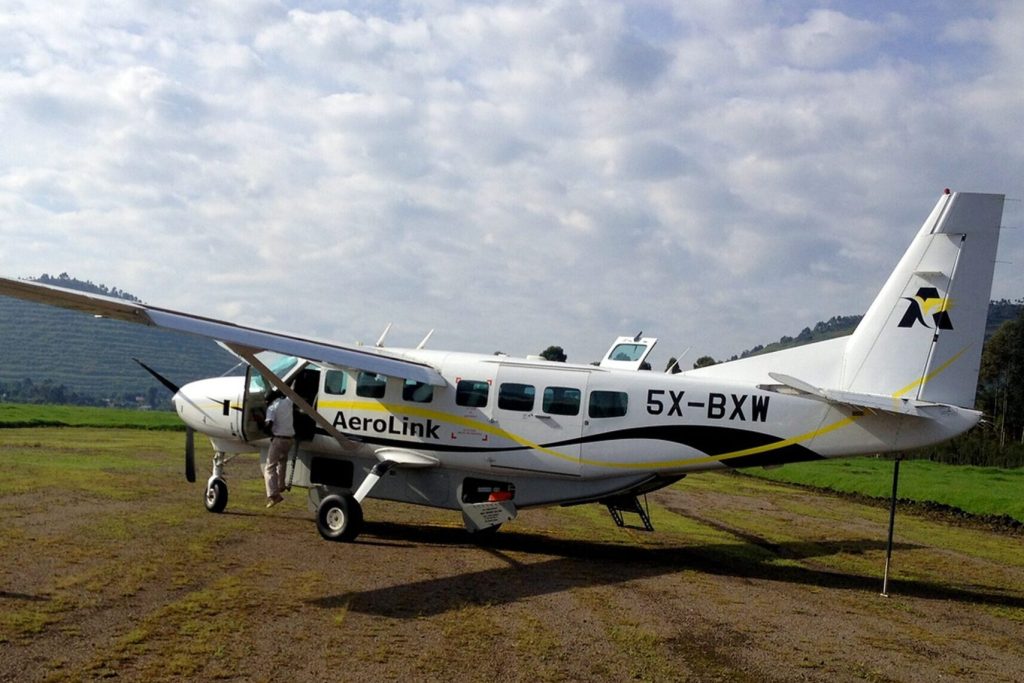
(216, 495)
(216, 498)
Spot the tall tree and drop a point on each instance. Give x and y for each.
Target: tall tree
(1001, 379)
(554, 353)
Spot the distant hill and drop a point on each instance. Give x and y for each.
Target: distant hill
(840, 325)
(61, 356)
(836, 326)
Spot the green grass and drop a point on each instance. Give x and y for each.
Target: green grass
(122, 464)
(975, 490)
(31, 415)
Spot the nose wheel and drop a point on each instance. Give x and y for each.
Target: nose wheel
(216, 495)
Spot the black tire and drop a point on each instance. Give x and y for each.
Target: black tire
(216, 496)
(339, 518)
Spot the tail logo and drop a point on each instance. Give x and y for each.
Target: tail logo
(927, 302)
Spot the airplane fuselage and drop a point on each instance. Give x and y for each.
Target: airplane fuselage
(555, 432)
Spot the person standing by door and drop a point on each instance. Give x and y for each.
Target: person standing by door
(281, 422)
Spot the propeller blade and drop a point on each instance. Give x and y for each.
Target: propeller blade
(171, 386)
(190, 455)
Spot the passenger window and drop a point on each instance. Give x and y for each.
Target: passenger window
(472, 393)
(608, 403)
(516, 397)
(417, 392)
(335, 382)
(562, 401)
(371, 385)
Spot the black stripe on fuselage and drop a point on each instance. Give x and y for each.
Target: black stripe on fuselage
(710, 440)
(714, 441)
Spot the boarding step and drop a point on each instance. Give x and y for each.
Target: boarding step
(620, 504)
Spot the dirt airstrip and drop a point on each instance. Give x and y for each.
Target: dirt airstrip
(112, 569)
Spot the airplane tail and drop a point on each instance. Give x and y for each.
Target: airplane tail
(921, 339)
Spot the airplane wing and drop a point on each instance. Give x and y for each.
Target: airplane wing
(320, 352)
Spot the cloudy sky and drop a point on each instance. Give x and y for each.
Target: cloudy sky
(513, 174)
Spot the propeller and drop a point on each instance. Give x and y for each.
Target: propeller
(171, 386)
(190, 434)
(190, 455)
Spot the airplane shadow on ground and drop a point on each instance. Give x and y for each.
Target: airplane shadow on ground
(575, 564)
(28, 597)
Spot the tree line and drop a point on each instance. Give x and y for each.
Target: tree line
(998, 441)
(67, 282)
(46, 391)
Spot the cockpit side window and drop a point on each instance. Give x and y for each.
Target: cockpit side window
(336, 382)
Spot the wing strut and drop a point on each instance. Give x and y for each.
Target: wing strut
(249, 355)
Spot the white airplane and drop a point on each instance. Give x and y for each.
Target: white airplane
(490, 435)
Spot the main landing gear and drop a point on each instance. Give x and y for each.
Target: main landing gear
(339, 516)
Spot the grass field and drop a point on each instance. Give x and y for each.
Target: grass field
(974, 490)
(113, 569)
(30, 415)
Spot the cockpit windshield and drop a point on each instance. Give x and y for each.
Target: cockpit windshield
(280, 367)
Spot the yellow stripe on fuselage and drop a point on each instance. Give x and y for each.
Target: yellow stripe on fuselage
(462, 421)
(414, 411)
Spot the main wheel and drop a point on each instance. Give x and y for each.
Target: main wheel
(339, 517)
(216, 496)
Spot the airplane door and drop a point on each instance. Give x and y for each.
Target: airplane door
(540, 412)
(301, 376)
(307, 385)
(253, 406)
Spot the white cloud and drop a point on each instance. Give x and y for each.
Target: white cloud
(513, 174)
(827, 38)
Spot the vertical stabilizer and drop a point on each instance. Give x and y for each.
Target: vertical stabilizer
(922, 336)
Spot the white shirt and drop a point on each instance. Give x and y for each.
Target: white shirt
(279, 414)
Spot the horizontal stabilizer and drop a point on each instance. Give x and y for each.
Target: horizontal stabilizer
(869, 402)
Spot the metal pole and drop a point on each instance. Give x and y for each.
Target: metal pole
(892, 523)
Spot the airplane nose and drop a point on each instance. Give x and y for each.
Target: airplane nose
(205, 405)
(176, 402)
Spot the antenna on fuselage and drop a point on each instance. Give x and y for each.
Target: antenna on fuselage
(639, 336)
(675, 363)
(424, 342)
(380, 341)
